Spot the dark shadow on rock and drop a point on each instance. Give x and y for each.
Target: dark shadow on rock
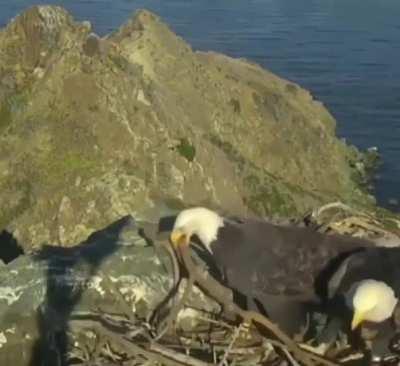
(9, 247)
(166, 224)
(69, 271)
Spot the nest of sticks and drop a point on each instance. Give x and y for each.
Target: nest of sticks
(247, 338)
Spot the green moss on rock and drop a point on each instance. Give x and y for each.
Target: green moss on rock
(265, 198)
(231, 152)
(186, 149)
(64, 168)
(9, 107)
(5, 115)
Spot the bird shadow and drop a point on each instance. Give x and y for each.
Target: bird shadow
(9, 247)
(69, 271)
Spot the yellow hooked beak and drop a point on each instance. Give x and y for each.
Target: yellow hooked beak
(179, 238)
(358, 318)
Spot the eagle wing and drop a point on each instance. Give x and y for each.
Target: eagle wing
(262, 258)
(379, 263)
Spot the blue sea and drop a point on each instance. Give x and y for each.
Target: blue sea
(346, 52)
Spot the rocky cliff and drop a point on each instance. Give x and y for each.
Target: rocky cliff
(92, 129)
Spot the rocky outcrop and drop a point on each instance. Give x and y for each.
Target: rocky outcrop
(92, 129)
(118, 270)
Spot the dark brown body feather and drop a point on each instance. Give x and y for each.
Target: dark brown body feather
(380, 264)
(279, 260)
(283, 268)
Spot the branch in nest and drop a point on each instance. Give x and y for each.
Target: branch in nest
(176, 308)
(357, 221)
(228, 350)
(157, 315)
(317, 212)
(151, 351)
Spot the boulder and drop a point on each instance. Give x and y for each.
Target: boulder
(118, 270)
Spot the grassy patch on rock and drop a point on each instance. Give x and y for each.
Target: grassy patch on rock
(5, 115)
(264, 193)
(186, 149)
(61, 169)
(16, 206)
(9, 106)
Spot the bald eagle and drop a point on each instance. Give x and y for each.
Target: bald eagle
(281, 270)
(367, 285)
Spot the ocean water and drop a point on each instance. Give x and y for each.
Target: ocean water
(346, 52)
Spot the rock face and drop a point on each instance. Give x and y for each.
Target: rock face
(114, 271)
(92, 129)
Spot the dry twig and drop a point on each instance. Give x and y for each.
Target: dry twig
(165, 324)
(228, 350)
